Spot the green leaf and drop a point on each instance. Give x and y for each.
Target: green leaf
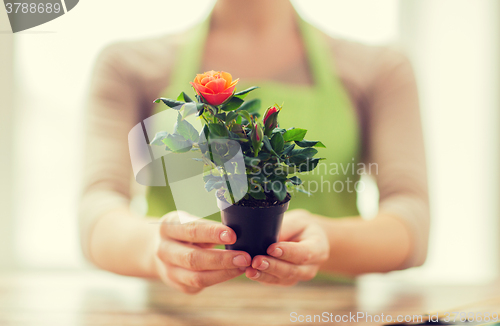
(288, 169)
(230, 167)
(183, 97)
(237, 137)
(221, 116)
(257, 177)
(295, 180)
(308, 152)
(217, 130)
(251, 161)
(186, 130)
(245, 115)
(279, 189)
(190, 108)
(295, 134)
(302, 154)
(302, 190)
(238, 184)
(201, 108)
(239, 120)
(232, 104)
(267, 144)
(308, 165)
(169, 102)
(251, 106)
(259, 195)
(177, 143)
(219, 184)
(209, 185)
(158, 140)
(277, 175)
(288, 149)
(209, 176)
(245, 92)
(263, 156)
(231, 116)
(309, 143)
(214, 183)
(204, 133)
(277, 142)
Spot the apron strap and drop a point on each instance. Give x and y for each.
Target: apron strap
(319, 57)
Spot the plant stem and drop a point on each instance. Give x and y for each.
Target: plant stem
(226, 179)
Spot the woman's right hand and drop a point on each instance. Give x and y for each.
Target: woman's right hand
(185, 257)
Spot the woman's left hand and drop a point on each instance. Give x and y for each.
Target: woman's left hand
(302, 248)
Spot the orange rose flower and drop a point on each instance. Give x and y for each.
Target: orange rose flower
(214, 87)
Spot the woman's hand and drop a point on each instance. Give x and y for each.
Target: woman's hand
(302, 248)
(186, 260)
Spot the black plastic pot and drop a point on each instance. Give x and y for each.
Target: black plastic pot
(256, 228)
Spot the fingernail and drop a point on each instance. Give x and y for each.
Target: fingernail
(264, 265)
(256, 276)
(240, 260)
(225, 237)
(242, 269)
(277, 252)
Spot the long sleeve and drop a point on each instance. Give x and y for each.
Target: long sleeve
(395, 143)
(381, 83)
(111, 113)
(127, 77)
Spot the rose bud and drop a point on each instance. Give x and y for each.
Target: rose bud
(214, 87)
(238, 129)
(256, 138)
(271, 119)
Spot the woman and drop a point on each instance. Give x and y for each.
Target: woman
(362, 99)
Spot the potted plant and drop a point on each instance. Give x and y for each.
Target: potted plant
(252, 196)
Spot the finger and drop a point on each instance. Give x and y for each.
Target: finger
(283, 270)
(263, 277)
(199, 231)
(301, 253)
(198, 259)
(203, 279)
(313, 248)
(280, 269)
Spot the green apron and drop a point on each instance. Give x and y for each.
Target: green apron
(324, 109)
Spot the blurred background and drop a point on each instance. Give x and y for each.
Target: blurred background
(455, 49)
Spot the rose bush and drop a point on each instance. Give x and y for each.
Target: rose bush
(270, 154)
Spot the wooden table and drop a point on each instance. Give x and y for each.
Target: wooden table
(98, 298)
